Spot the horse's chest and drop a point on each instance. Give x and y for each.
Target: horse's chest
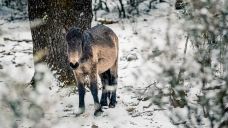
(84, 69)
(83, 73)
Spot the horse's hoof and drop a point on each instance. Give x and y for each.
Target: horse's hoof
(112, 105)
(104, 103)
(98, 112)
(80, 111)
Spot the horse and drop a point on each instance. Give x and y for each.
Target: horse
(91, 54)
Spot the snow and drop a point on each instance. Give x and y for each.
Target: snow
(137, 40)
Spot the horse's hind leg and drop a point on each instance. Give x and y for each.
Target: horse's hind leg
(105, 81)
(113, 81)
(109, 82)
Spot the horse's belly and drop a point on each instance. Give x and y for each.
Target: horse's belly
(106, 59)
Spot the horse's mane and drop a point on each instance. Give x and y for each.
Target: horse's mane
(74, 33)
(87, 40)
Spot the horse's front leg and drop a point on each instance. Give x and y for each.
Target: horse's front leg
(81, 93)
(94, 91)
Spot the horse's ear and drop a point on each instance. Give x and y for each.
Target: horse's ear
(87, 40)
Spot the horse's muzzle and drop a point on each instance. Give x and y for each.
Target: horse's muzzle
(74, 66)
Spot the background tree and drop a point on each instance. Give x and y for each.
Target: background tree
(48, 20)
(203, 70)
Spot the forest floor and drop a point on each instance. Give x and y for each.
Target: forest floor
(137, 39)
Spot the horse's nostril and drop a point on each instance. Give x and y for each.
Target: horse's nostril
(74, 66)
(71, 64)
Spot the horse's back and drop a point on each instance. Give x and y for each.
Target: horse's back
(105, 45)
(104, 35)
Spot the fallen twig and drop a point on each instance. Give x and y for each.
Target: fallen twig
(212, 88)
(22, 40)
(147, 87)
(106, 21)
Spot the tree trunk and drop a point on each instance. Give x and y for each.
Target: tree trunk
(121, 9)
(48, 20)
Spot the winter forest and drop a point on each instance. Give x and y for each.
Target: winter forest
(145, 64)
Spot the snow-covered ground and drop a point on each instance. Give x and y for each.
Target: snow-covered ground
(137, 39)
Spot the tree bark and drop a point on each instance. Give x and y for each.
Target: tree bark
(121, 9)
(48, 20)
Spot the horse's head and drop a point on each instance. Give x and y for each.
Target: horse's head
(79, 48)
(74, 46)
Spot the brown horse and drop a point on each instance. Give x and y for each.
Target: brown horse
(94, 53)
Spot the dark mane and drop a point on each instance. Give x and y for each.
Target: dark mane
(73, 33)
(85, 37)
(87, 46)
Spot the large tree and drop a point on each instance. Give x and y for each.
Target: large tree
(48, 20)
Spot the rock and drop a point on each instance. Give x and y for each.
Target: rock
(69, 106)
(19, 65)
(131, 57)
(94, 126)
(67, 110)
(1, 67)
(130, 109)
(179, 4)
